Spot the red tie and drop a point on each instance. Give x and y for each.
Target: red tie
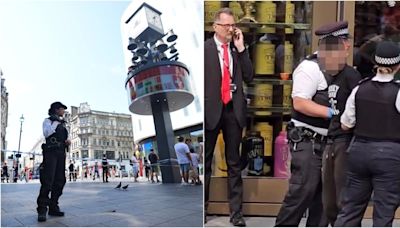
(226, 77)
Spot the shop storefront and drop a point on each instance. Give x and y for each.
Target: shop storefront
(279, 35)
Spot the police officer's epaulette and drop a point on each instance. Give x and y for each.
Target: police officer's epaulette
(364, 80)
(313, 56)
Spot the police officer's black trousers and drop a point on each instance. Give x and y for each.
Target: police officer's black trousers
(105, 174)
(52, 179)
(305, 186)
(334, 173)
(373, 166)
(232, 134)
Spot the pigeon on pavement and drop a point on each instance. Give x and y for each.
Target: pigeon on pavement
(125, 187)
(119, 185)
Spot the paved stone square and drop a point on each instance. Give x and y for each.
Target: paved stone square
(99, 204)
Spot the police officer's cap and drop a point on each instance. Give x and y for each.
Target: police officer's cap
(387, 54)
(336, 29)
(57, 105)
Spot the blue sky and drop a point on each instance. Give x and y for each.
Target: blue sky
(68, 51)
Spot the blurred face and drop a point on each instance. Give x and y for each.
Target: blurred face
(332, 56)
(224, 27)
(60, 111)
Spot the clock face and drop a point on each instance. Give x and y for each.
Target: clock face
(154, 18)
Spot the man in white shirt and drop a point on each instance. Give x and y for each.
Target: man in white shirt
(185, 161)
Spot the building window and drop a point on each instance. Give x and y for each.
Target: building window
(110, 155)
(98, 154)
(112, 142)
(85, 154)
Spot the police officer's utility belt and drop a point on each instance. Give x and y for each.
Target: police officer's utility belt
(299, 134)
(52, 143)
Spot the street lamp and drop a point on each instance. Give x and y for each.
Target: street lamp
(21, 119)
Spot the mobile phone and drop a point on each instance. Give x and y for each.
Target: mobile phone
(235, 35)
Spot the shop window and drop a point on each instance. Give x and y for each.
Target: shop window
(374, 22)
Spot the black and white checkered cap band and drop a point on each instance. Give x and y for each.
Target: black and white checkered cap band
(387, 61)
(339, 32)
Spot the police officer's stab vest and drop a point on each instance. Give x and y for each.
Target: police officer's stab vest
(321, 98)
(376, 113)
(60, 135)
(104, 162)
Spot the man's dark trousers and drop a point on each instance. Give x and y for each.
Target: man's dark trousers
(334, 173)
(232, 134)
(305, 186)
(52, 179)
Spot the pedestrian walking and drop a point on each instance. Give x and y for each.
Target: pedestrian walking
(373, 110)
(185, 161)
(147, 169)
(52, 169)
(71, 171)
(195, 167)
(96, 171)
(5, 172)
(153, 158)
(135, 167)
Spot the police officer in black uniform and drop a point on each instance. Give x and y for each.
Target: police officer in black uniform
(341, 79)
(52, 169)
(308, 129)
(373, 110)
(104, 164)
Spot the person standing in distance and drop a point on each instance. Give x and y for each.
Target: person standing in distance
(373, 110)
(104, 164)
(226, 66)
(52, 169)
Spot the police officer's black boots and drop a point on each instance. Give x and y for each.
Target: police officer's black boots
(55, 211)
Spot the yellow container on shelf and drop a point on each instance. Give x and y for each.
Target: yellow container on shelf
(287, 97)
(266, 132)
(288, 55)
(210, 8)
(264, 58)
(261, 95)
(289, 16)
(236, 9)
(220, 168)
(266, 13)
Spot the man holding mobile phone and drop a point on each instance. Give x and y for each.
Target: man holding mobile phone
(226, 66)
